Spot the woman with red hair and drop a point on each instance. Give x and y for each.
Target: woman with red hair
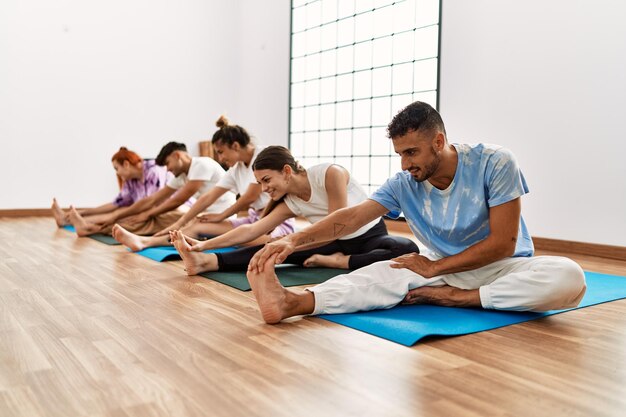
(137, 178)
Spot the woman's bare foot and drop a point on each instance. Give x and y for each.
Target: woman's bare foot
(275, 301)
(130, 240)
(336, 260)
(195, 262)
(59, 216)
(83, 228)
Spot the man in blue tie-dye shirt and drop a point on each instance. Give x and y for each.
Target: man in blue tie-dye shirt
(463, 202)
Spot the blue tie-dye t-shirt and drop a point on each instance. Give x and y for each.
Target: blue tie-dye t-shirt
(451, 220)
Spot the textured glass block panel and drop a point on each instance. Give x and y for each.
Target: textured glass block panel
(328, 63)
(361, 169)
(395, 164)
(297, 120)
(345, 59)
(329, 11)
(425, 75)
(361, 141)
(399, 102)
(381, 108)
(427, 12)
(343, 142)
(297, 3)
(328, 90)
(345, 31)
(363, 27)
(429, 97)
(381, 81)
(363, 84)
(344, 115)
(297, 95)
(345, 8)
(383, 22)
(313, 14)
(344, 87)
(327, 143)
(311, 144)
(298, 69)
(328, 35)
(381, 52)
(426, 42)
(361, 113)
(297, 143)
(403, 47)
(344, 162)
(311, 118)
(298, 44)
(298, 19)
(312, 66)
(382, 3)
(380, 170)
(403, 16)
(402, 78)
(312, 92)
(327, 116)
(313, 37)
(363, 55)
(381, 144)
(363, 5)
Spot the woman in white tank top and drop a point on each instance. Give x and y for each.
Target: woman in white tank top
(313, 194)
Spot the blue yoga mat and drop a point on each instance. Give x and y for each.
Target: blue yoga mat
(169, 253)
(408, 324)
(109, 240)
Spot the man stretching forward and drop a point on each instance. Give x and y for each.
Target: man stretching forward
(463, 202)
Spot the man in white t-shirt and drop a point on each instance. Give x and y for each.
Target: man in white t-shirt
(193, 176)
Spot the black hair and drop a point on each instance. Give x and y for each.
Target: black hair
(416, 116)
(167, 151)
(228, 134)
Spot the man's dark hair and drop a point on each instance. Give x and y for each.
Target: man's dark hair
(416, 116)
(167, 151)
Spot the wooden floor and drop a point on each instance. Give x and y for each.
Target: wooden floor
(88, 329)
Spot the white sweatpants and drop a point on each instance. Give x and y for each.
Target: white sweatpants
(538, 283)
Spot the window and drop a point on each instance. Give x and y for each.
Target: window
(355, 64)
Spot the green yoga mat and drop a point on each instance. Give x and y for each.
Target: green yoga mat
(289, 276)
(97, 236)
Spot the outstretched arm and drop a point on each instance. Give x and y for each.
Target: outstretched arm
(176, 200)
(143, 204)
(340, 223)
(243, 203)
(503, 225)
(105, 208)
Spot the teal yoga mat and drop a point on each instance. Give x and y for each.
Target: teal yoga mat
(288, 275)
(408, 324)
(97, 236)
(169, 253)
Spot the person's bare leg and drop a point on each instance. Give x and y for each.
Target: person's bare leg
(336, 260)
(275, 301)
(59, 215)
(197, 228)
(443, 296)
(135, 242)
(195, 262)
(82, 226)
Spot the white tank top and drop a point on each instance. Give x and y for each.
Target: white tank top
(316, 208)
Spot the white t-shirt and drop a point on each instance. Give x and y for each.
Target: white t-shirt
(316, 208)
(239, 177)
(210, 172)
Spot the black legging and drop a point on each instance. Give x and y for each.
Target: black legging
(373, 246)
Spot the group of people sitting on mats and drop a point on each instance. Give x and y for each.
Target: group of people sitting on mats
(461, 201)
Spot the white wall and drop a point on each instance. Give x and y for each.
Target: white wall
(548, 80)
(78, 79)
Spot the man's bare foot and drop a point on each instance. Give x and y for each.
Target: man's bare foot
(443, 296)
(275, 301)
(336, 260)
(83, 228)
(195, 262)
(59, 216)
(130, 240)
